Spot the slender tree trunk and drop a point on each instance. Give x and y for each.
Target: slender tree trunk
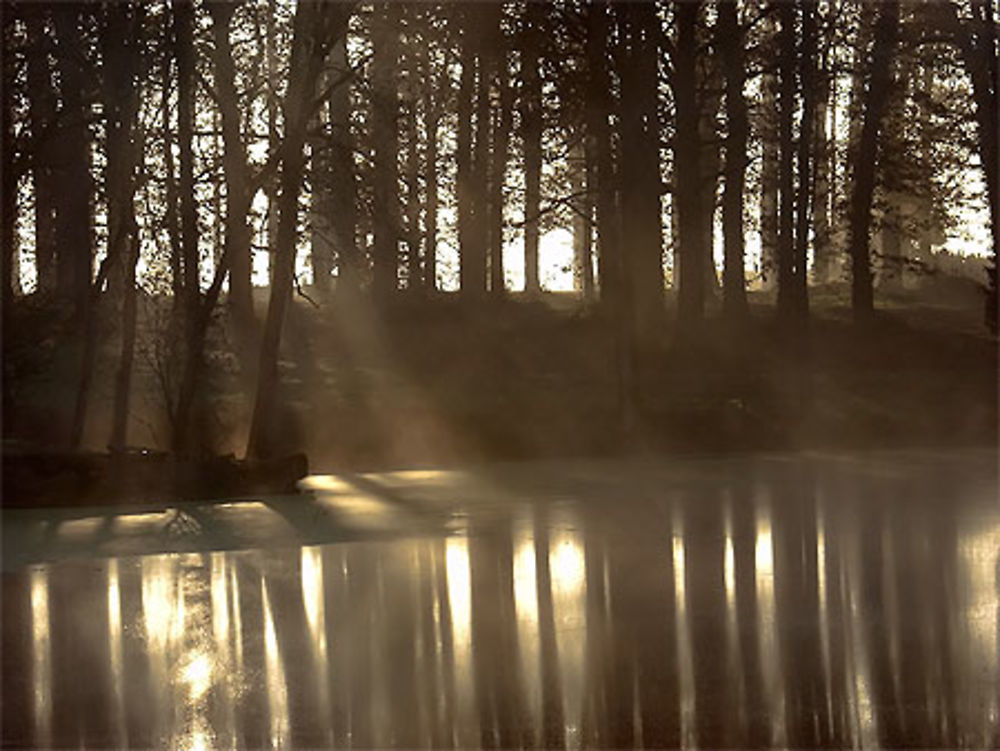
(343, 199)
(883, 47)
(786, 176)
(385, 138)
(9, 176)
(474, 267)
(581, 174)
(74, 234)
(432, 114)
(170, 182)
(823, 253)
(800, 289)
(599, 107)
(531, 133)
(731, 42)
(237, 237)
(687, 169)
(42, 114)
(640, 200)
(316, 26)
(615, 286)
(120, 47)
(769, 170)
(414, 237)
(498, 170)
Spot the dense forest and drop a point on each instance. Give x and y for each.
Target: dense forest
(403, 232)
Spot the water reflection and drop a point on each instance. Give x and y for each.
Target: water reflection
(734, 615)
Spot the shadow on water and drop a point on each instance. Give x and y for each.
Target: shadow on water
(783, 601)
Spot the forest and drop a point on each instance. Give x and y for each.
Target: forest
(413, 233)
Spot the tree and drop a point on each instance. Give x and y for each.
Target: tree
(863, 184)
(531, 136)
(687, 168)
(317, 26)
(731, 40)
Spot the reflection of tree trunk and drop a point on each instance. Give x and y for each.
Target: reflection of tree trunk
(731, 41)
(886, 30)
(553, 735)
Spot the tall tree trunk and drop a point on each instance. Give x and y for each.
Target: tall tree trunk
(786, 147)
(640, 200)
(615, 290)
(598, 112)
(823, 149)
(9, 176)
(120, 47)
(172, 217)
(581, 175)
(687, 169)
(463, 152)
(731, 41)
(343, 199)
(807, 54)
(769, 168)
(474, 267)
(433, 103)
(42, 114)
(977, 41)
(498, 169)
(237, 237)
(862, 189)
(316, 26)
(531, 134)
(385, 139)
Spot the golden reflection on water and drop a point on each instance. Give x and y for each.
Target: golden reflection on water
(115, 650)
(460, 604)
(824, 610)
(685, 658)
(526, 608)
(314, 601)
(567, 566)
(41, 655)
(767, 624)
(864, 721)
(274, 670)
(979, 571)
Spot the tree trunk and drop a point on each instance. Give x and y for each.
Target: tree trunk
(800, 290)
(463, 155)
(883, 46)
(687, 169)
(343, 190)
(433, 102)
(9, 176)
(581, 174)
(769, 170)
(474, 267)
(386, 224)
(120, 48)
(531, 133)
(498, 169)
(641, 171)
(316, 26)
(823, 149)
(731, 43)
(237, 240)
(786, 148)
(42, 114)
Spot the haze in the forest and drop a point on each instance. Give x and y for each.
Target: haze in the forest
(412, 233)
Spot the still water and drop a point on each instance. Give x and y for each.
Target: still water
(789, 601)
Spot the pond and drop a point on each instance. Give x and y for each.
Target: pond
(777, 600)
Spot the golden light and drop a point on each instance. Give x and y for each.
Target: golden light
(41, 653)
(196, 674)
